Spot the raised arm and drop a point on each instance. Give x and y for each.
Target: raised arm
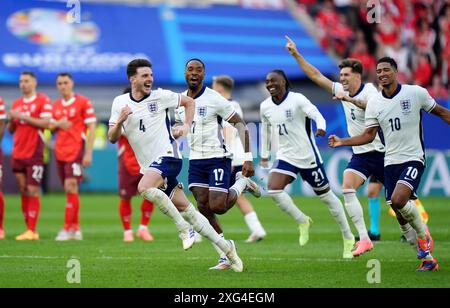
(312, 72)
(366, 137)
(442, 113)
(189, 109)
(115, 131)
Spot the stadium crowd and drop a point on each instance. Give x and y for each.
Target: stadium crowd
(416, 33)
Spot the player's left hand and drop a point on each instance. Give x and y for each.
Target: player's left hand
(334, 141)
(248, 170)
(15, 114)
(87, 160)
(320, 133)
(343, 96)
(180, 130)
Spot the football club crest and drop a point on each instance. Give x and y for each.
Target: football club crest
(405, 105)
(152, 107)
(289, 115)
(201, 111)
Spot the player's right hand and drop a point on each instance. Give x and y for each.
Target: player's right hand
(124, 113)
(334, 141)
(290, 46)
(64, 123)
(180, 130)
(264, 163)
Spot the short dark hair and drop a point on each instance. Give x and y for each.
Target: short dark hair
(354, 64)
(225, 81)
(29, 73)
(388, 60)
(133, 66)
(283, 74)
(195, 59)
(64, 74)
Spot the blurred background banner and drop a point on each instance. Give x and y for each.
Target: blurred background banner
(46, 38)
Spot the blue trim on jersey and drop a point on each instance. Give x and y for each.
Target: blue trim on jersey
(200, 93)
(381, 135)
(171, 138)
(422, 143)
(308, 127)
(220, 136)
(138, 101)
(399, 88)
(282, 100)
(359, 90)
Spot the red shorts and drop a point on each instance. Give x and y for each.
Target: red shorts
(128, 184)
(32, 167)
(72, 169)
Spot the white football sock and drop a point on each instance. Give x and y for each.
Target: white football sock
(253, 224)
(355, 212)
(337, 211)
(409, 233)
(412, 215)
(165, 205)
(285, 202)
(203, 227)
(239, 186)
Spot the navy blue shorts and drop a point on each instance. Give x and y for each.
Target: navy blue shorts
(316, 177)
(367, 164)
(408, 174)
(169, 168)
(213, 173)
(234, 171)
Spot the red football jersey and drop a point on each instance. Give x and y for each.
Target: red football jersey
(2, 110)
(127, 156)
(26, 136)
(79, 112)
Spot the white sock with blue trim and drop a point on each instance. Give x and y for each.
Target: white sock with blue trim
(285, 202)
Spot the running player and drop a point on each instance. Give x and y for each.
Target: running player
(224, 85)
(143, 116)
(28, 117)
(74, 124)
(397, 111)
(286, 117)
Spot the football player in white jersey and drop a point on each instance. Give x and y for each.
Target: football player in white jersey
(209, 158)
(286, 120)
(143, 116)
(367, 160)
(397, 111)
(224, 85)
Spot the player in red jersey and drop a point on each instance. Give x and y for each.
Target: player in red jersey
(129, 178)
(74, 122)
(2, 201)
(28, 117)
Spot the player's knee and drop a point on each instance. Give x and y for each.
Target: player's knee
(152, 194)
(398, 202)
(372, 194)
(71, 187)
(218, 208)
(142, 188)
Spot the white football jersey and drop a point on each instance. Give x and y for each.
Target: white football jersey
(400, 118)
(206, 137)
(289, 125)
(355, 117)
(148, 128)
(233, 141)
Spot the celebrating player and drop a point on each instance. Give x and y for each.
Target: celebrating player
(74, 123)
(397, 111)
(28, 117)
(224, 85)
(143, 116)
(286, 116)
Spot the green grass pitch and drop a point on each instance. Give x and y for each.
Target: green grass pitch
(277, 261)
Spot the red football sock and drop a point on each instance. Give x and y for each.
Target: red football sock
(34, 206)
(25, 202)
(71, 216)
(125, 213)
(147, 211)
(2, 210)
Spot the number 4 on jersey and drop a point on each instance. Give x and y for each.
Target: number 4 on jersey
(141, 126)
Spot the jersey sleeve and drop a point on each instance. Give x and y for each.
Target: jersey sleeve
(170, 99)
(427, 103)
(336, 87)
(89, 113)
(2, 110)
(226, 110)
(238, 109)
(47, 108)
(371, 114)
(115, 112)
